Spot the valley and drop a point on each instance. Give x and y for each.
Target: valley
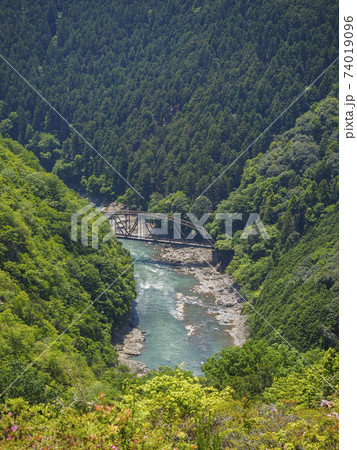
(220, 119)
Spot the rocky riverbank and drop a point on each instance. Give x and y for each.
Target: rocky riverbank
(228, 305)
(128, 342)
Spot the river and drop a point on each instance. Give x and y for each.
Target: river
(177, 321)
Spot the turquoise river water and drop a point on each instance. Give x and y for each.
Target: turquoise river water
(173, 336)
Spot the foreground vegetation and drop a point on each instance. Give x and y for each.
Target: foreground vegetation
(172, 409)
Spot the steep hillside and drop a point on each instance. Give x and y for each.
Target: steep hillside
(169, 92)
(72, 395)
(47, 281)
(292, 277)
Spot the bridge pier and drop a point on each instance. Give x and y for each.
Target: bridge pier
(222, 258)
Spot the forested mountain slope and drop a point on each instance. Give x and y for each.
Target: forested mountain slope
(292, 277)
(47, 281)
(73, 396)
(169, 92)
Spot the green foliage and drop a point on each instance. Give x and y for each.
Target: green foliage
(47, 281)
(309, 387)
(172, 412)
(291, 279)
(250, 369)
(201, 205)
(173, 203)
(170, 93)
(300, 297)
(74, 394)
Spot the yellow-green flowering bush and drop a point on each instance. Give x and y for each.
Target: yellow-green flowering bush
(170, 412)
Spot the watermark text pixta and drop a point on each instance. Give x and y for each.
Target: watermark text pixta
(158, 225)
(253, 225)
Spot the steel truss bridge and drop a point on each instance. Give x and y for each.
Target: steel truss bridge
(145, 226)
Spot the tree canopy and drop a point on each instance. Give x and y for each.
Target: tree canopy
(170, 93)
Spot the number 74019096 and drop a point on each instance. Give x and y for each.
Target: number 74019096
(348, 42)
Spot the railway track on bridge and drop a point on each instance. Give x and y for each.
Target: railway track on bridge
(143, 226)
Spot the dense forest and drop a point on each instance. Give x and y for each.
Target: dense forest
(76, 395)
(291, 279)
(47, 281)
(170, 93)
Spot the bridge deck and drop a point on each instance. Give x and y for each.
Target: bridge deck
(128, 224)
(166, 241)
